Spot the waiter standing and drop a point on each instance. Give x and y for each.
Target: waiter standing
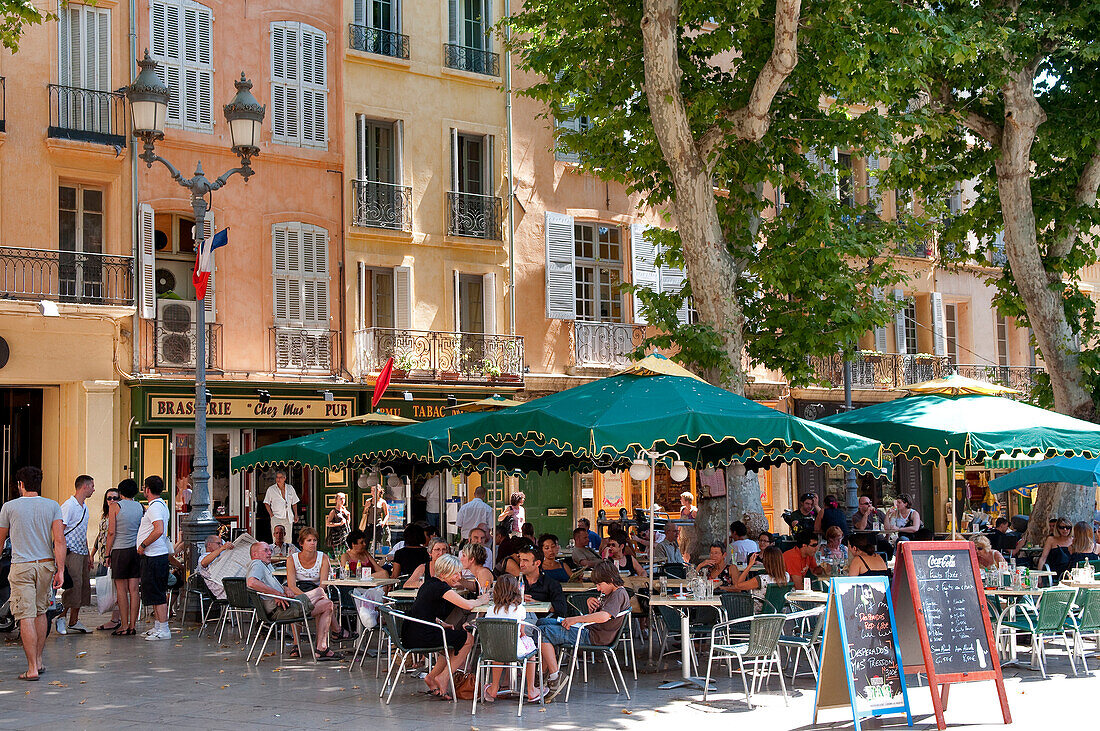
(280, 501)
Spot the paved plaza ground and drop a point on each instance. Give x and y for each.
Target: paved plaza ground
(101, 682)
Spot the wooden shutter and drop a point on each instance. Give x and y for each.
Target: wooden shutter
(489, 302)
(281, 242)
(147, 283)
(873, 196)
(454, 23)
(285, 100)
(561, 152)
(899, 322)
(880, 332)
(314, 84)
(359, 12)
(672, 280)
(165, 34)
(939, 325)
(456, 300)
(643, 256)
(402, 298)
(561, 303)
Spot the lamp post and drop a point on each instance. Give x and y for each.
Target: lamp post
(149, 97)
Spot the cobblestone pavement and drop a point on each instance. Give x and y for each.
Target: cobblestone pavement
(101, 682)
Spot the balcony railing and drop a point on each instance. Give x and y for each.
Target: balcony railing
(87, 115)
(66, 276)
(881, 370)
(169, 345)
(474, 60)
(1021, 378)
(382, 205)
(375, 40)
(304, 350)
(421, 355)
(478, 216)
(606, 344)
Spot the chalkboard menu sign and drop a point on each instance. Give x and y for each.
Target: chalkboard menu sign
(860, 662)
(939, 601)
(952, 611)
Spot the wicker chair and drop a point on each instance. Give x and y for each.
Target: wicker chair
(498, 642)
(761, 651)
(393, 623)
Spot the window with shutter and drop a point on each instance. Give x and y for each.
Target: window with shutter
(559, 267)
(299, 261)
(643, 255)
(873, 173)
(182, 42)
(147, 249)
(402, 297)
(672, 281)
(939, 325)
(299, 85)
(900, 339)
(880, 332)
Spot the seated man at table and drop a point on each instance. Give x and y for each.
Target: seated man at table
(741, 546)
(280, 547)
(583, 556)
(480, 536)
(1001, 538)
(800, 559)
(314, 602)
(539, 586)
(594, 539)
(601, 623)
(667, 546)
(216, 549)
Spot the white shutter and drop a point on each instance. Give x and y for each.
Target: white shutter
(880, 332)
(280, 259)
(147, 283)
(939, 325)
(643, 256)
(314, 95)
(402, 298)
(182, 40)
(899, 322)
(359, 13)
(454, 159)
(284, 82)
(873, 195)
(399, 152)
(299, 84)
(561, 303)
(454, 23)
(672, 281)
(489, 302)
(561, 152)
(208, 301)
(64, 46)
(457, 301)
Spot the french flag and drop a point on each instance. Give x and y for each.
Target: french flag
(204, 262)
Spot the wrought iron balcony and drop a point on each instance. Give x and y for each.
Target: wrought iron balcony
(66, 276)
(382, 205)
(477, 216)
(605, 344)
(1021, 378)
(474, 60)
(304, 350)
(421, 355)
(170, 344)
(375, 40)
(885, 371)
(87, 115)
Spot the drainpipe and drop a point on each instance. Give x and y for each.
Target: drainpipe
(511, 180)
(343, 280)
(135, 229)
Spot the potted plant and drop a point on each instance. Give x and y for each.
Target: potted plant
(490, 369)
(403, 363)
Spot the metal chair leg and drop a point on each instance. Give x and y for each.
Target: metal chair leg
(621, 676)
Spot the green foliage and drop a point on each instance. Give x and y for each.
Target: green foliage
(965, 50)
(15, 15)
(807, 277)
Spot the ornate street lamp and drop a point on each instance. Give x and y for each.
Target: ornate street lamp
(149, 99)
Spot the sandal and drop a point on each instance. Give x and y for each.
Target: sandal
(130, 632)
(485, 697)
(109, 626)
(24, 676)
(342, 635)
(327, 655)
(294, 652)
(119, 632)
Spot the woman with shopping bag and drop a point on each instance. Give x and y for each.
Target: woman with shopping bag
(105, 589)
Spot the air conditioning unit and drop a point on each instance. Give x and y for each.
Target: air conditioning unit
(173, 276)
(176, 333)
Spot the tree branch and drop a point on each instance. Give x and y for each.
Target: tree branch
(751, 122)
(1085, 195)
(979, 124)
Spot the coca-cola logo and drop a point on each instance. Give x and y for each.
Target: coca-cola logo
(946, 561)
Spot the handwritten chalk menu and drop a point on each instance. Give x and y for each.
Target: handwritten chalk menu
(940, 604)
(860, 662)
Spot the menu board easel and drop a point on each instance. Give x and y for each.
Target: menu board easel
(937, 590)
(861, 639)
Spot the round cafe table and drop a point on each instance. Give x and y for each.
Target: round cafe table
(682, 604)
(1012, 597)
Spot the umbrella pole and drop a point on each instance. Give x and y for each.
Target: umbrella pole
(951, 483)
(652, 535)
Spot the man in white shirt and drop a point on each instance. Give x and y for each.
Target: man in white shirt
(741, 546)
(280, 501)
(155, 550)
(430, 492)
(475, 514)
(279, 546)
(78, 560)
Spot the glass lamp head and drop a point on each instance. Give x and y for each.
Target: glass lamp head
(245, 116)
(148, 97)
(639, 470)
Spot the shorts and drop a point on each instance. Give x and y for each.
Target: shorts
(31, 587)
(553, 633)
(80, 593)
(293, 610)
(154, 580)
(125, 564)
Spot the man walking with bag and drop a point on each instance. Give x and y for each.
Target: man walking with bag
(78, 560)
(154, 548)
(37, 558)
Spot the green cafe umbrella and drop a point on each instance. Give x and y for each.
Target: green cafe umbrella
(1074, 470)
(313, 450)
(655, 405)
(928, 427)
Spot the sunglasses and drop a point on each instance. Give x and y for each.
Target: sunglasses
(1064, 527)
(114, 499)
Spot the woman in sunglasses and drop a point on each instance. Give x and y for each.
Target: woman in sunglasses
(1056, 550)
(99, 552)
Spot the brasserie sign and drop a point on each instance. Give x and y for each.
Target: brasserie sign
(179, 408)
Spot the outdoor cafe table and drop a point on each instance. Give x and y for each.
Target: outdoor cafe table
(682, 604)
(1012, 597)
(530, 607)
(805, 596)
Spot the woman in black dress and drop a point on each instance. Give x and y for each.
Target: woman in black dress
(435, 600)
